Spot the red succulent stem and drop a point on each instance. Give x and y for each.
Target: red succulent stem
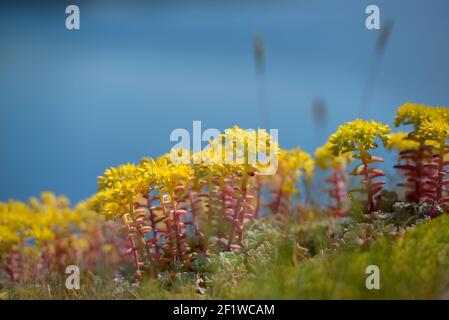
(154, 239)
(191, 196)
(336, 182)
(373, 188)
(419, 170)
(177, 230)
(224, 197)
(13, 260)
(408, 163)
(133, 247)
(278, 199)
(421, 173)
(441, 170)
(228, 210)
(192, 203)
(168, 245)
(138, 217)
(338, 191)
(258, 197)
(368, 183)
(210, 209)
(237, 218)
(242, 200)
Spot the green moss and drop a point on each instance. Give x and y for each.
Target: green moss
(415, 266)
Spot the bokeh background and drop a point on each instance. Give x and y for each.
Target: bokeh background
(73, 103)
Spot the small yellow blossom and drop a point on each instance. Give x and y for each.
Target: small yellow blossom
(411, 113)
(325, 159)
(416, 114)
(358, 135)
(436, 129)
(293, 164)
(401, 141)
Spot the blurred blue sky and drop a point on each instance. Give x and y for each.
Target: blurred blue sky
(73, 103)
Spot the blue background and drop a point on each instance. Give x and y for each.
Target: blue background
(73, 103)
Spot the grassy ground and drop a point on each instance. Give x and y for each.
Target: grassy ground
(415, 266)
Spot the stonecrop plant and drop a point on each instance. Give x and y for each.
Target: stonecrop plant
(399, 141)
(240, 204)
(294, 164)
(338, 180)
(424, 161)
(44, 236)
(182, 208)
(176, 214)
(359, 137)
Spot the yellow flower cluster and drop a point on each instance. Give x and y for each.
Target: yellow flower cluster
(21, 222)
(122, 173)
(430, 133)
(325, 158)
(418, 114)
(431, 124)
(120, 187)
(237, 146)
(45, 235)
(400, 141)
(117, 190)
(40, 221)
(13, 223)
(358, 135)
(162, 173)
(293, 164)
(436, 129)
(412, 113)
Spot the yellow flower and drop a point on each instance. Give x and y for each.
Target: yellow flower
(242, 148)
(121, 186)
(8, 236)
(41, 220)
(435, 129)
(293, 164)
(42, 232)
(358, 135)
(416, 114)
(121, 173)
(325, 159)
(411, 113)
(443, 112)
(47, 228)
(400, 141)
(163, 173)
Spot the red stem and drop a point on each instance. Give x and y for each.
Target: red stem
(441, 171)
(154, 229)
(236, 214)
(134, 249)
(419, 168)
(258, 197)
(277, 202)
(371, 202)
